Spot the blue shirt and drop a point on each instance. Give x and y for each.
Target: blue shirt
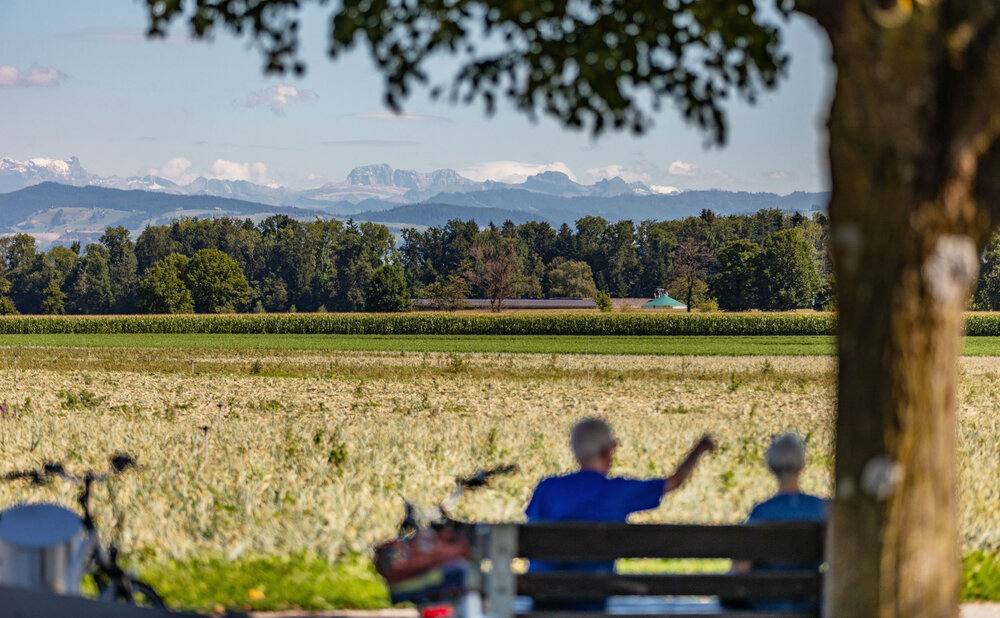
(788, 508)
(590, 496)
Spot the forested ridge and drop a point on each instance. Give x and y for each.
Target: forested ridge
(768, 260)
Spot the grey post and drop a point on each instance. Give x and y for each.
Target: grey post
(501, 548)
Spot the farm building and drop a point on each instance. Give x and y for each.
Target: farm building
(663, 301)
(514, 303)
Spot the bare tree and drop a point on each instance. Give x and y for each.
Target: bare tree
(690, 267)
(496, 269)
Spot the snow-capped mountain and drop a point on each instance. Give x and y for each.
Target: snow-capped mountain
(16, 175)
(378, 182)
(58, 200)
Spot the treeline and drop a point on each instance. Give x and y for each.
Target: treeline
(208, 266)
(767, 260)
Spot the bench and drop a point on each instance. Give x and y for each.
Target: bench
(787, 542)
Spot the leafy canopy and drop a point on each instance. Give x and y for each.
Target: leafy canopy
(591, 64)
(387, 291)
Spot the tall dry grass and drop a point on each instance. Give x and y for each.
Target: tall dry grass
(321, 460)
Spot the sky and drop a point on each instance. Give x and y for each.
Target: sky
(80, 79)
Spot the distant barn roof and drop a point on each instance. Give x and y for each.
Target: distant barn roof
(518, 303)
(664, 301)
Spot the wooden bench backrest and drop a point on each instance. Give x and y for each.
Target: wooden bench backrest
(592, 542)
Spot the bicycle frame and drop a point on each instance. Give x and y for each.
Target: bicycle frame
(61, 566)
(434, 560)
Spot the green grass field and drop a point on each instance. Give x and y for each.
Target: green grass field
(679, 345)
(676, 345)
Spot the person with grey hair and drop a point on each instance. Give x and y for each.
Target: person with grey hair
(591, 495)
(786, 458)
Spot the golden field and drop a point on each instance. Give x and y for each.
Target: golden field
(315, 451)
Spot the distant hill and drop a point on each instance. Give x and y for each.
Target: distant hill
(61, 212)
(83, 203)
(381, 187)
(635, 207)
(430, 215)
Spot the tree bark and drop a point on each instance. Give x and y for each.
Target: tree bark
(906, 228)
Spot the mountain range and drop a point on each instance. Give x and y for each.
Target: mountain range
(56, 197)
(377, 183)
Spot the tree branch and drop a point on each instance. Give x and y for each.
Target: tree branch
(823, 11)
(986, 189)
(974, 58)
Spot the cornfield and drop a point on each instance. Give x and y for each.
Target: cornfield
(619, 324)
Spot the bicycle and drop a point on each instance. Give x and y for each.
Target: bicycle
(50, 547)
(433, 561)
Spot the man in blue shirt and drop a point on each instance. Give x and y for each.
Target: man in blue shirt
(591, 495)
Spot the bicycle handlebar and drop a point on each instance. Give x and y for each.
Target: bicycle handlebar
(119, 462)
(482, 477)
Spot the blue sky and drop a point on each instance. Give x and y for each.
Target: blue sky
(79, 79)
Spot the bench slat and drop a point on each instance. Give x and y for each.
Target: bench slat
(598, 541)
(801, 585)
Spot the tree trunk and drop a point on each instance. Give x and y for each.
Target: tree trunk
(905, 229)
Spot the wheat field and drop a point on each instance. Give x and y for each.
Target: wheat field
(284, 452)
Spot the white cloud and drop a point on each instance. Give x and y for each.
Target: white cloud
(628, 173)
(664, 189)
(256, 172)
(682, 168)
(512, 171)
(176, 169)
(779, 175)
(388, 114)
(12, 77)
(279, 97)
(639, 169)
(179, 170)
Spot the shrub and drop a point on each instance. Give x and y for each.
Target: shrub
(447, 295)
(708, 305)
(603, 301)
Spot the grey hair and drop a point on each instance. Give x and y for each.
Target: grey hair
(590, 438)
(786, 456)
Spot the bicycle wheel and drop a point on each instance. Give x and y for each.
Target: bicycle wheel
(129, 591)
(146, 594)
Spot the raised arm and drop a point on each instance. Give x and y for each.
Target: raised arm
(687, 466)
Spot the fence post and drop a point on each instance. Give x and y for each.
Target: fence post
(501, 549)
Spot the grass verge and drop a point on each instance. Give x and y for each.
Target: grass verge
(678, 345)
(981, 576)
(674, 345)
(305, 581)
(267, 583)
